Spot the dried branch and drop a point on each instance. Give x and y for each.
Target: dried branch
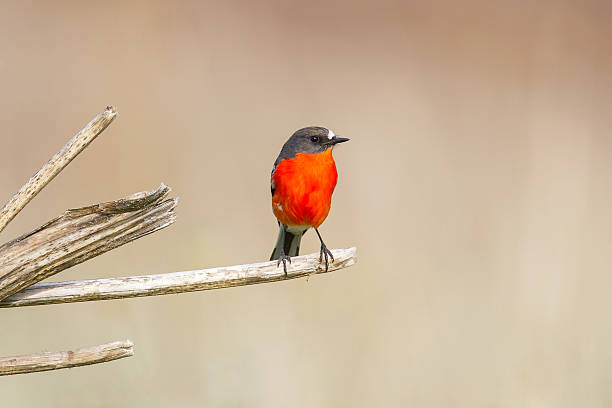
(56, 164)
(177, 282)
(79, 235)
(66, 359)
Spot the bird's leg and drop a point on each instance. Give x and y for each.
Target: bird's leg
(282, 257)
(324, 252)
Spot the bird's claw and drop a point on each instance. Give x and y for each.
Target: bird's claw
(325, 253)
(283, 258)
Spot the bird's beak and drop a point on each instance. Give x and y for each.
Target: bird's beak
(335, 140)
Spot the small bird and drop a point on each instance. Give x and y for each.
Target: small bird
(303, 179)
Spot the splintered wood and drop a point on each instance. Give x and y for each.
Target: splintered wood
(79, 235)
(56, 360)
(56, 164)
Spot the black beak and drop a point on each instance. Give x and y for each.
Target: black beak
(335, 140)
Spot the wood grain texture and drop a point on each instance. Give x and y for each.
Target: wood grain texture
(177, 282)
(81, 234)
(66, 359)
(56, 164)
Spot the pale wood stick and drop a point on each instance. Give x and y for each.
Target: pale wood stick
(81, 234)
(177, 282)
(56, 164)
(66, 359)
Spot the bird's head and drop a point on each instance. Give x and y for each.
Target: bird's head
(313, 139)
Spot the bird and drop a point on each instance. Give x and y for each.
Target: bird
(302, 183)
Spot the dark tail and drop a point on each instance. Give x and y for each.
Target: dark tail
(292, 243)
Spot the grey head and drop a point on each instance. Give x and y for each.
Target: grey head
(313, 139)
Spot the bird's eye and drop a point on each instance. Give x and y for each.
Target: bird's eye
(314, 139)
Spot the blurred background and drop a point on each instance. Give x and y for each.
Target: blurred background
(476, 186)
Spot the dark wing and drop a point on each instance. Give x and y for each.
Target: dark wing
(272, 186)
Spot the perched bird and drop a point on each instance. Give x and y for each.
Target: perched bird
(303, 179)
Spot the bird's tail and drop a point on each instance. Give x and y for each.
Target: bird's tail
(292, 243)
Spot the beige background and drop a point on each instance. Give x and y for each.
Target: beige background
(476, 187)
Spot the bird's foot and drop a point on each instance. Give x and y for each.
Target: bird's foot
(283, 258)
(325, 253)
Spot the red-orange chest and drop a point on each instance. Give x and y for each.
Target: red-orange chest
(303, 188)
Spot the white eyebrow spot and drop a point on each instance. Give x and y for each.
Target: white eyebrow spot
(330, 134)
(280, 207)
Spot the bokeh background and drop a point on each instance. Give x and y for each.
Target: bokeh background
(476, 187)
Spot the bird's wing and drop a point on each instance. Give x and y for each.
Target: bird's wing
(272, 186)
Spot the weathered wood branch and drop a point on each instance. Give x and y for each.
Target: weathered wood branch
(177, 282)
(56, 164)
(66, 359)
(81, 234)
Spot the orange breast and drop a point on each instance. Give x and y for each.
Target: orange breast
(304, 187)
